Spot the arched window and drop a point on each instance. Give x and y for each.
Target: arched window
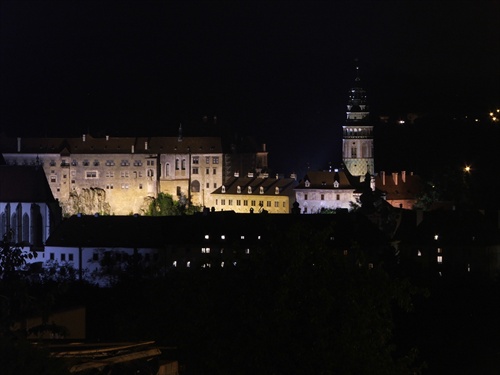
(26, 228)
(3, 224)
(36, 225)
(261, 190)
(151, 173)
(223, 189)
(195, 186)
(167, 169)
(13, 221)
(249, 190)
(238, 189)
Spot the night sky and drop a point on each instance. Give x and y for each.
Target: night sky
(278, 71)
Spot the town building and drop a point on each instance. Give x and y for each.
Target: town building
(28, 210)
(250, 194)
(399, 189)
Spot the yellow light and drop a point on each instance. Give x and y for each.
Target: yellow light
(491, 113)
(467, 169)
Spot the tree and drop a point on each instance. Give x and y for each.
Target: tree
(164, 205)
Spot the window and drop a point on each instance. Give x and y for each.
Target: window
(140, 186)
(176, 164)
(336, 184)
(268, 203)
(261, 190)
(150, 163)
(63, 257)
(183, 164)
(238, 202)
(205, 250)
(167, 169)
(124, 174)
(238, 189)
(338, 197)
(125, 163)
(305, 197)
(151, 173)
(207, 171)
(276, 204)
(207, 160)
(91, 174)
(305, 210)
(354, 151)
(137, 163)
(215, 160)
(245, 202)
(53, 179)
(85, 163)
(196, 160)
(261, 203)
(52, 256)
(96, 163)
(252, 203)
(322, 197)
(110, 163)
(222, 202)
(95, 256)
(195, 186)
(249, 190)
(215, 185)
(70, 257)
(208, 185)
(276, 190)
(195, 170)
(110, 174)
(178, 191)
(215, 171)
(230, 202)
(223, 189)
(440, 259)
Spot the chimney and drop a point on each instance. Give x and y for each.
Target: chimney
(132, 149)
(395, 177)
(403, 176)
(382, 174)
(146, 145)
(18, 144)
(83, 137)
(264, 147)
(372, 183)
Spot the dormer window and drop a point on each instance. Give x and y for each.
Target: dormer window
(307, 183)
(335, 184)
(223, 189)
(249, 190)
(238, 189)
(276, 190)
(261, 190)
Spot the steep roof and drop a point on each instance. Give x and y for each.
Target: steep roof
(24, 184)
(326, 180)
(270, 185)
(159, 232)
(111, 145)
(399, 186)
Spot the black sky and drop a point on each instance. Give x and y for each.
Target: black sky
(276, 70)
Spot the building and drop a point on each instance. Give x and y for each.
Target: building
(399, 189)
(122, 175)
(255, 194)
(357, 135)
(28, 210)
(324, 190)
(104, 248)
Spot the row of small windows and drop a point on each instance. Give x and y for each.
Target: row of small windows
(85, 163)
(223, 237)
(230, 202)
(249, 190)
(196, 160)
(322, 197)
(62, 257)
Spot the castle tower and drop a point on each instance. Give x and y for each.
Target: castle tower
(357, 136)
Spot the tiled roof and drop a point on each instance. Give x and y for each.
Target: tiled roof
(157, 232)
(326, 180)
(24, 184)
(111, 145)
(409, 188)
(285, 186)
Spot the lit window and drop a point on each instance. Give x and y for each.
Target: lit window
(91, 174)
(276, 190)
(242, 237)
(419, 253)
(238, 189)
(245, 202)
(238, 202)
(346, 252)
(207, 236)
(258, 237)
(183, 164)
(223, 189)
(440, 250)
(174, 263)
(440, 259)
(188, 264)
(436, 237)
(276, 204)
(207, 160)
(249, 190)
(215, 160)
(261, 190)
(268, 203)
(196, 160)
(205, 250)
(222, 202)
(195, 170)
(252, 203)
(223, 237)
(336, 184)
(222, 264)
(247, 251)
